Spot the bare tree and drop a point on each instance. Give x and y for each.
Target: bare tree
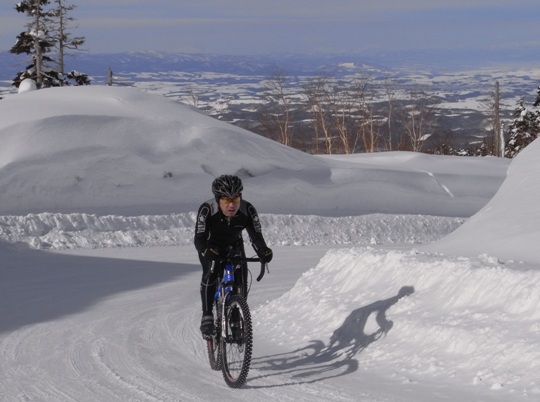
(316, 93)
(340, 105)
(494, 144)
(498, 142)
(343, 114)
(192, 97)
(420, 119)
(278, 114)
(59, 24)
(390, 89)
(366, 115)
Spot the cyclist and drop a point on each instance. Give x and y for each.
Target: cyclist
(218, 229)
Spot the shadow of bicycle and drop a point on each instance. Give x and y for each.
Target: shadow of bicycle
(319, 361)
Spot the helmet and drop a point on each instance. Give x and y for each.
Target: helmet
(227, 186)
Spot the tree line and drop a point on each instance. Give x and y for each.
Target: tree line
(347, 116)
(47, 41)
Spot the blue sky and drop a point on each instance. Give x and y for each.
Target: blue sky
(274, 26)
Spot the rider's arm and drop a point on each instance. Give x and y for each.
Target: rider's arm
(201, 227)
(254, 229)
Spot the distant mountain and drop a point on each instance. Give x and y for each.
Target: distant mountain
(153, 61)
(97, 64)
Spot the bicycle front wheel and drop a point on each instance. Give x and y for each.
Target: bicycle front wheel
(237, 344)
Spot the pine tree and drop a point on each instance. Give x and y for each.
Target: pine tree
(537, 101)
(524, 129)
(47, 31)
(33, 42)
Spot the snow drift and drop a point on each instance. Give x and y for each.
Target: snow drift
(121, 151)
(507, 227)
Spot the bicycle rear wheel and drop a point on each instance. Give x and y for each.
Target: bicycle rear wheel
(237, 345)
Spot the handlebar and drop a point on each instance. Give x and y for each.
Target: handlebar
(264, 266)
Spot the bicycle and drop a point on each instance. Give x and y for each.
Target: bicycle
(230, 346)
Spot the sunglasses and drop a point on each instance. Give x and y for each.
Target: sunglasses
(231, 200)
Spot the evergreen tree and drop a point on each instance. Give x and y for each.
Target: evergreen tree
(47, 31)
(33, 42)
(524, 129)
(537, 101)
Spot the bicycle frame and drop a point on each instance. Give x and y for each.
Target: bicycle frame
(227, 285)
(230, 347)
(223, 293)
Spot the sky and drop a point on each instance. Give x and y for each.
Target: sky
(283, 26)
(397, 277)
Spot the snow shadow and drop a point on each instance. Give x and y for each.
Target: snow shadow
(319, 361)
(37, 286)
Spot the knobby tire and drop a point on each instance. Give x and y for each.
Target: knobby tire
(237, 346)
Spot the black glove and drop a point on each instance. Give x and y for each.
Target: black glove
(211, 254)
(265, 254)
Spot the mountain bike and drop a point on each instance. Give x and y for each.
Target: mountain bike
(230, 347)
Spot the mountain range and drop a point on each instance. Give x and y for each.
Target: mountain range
(295, 64)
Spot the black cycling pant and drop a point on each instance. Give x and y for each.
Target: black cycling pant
(209, 281)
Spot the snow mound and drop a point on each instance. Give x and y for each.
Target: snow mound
(508, 225)
(115, 149)
(120, 151)
(445, 318)
(27, 85)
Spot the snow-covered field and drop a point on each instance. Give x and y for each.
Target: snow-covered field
(382, 288)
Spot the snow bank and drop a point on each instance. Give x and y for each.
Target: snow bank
(68, 231)
(508, 226)
(469, 320)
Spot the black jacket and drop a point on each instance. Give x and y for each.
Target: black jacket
(214, 230)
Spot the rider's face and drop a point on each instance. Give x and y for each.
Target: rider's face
(229, 205)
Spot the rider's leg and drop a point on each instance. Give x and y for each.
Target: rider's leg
(208, 286)
(208, 289)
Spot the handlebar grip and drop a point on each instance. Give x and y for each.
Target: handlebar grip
(261, 274)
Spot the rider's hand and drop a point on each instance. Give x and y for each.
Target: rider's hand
(212, 254)
(265, 255)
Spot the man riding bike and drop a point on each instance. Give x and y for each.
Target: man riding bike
(218, 230)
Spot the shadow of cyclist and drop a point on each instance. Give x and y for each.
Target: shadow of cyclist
(317, 361)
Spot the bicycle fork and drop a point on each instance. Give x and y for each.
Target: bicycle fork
(222, 295)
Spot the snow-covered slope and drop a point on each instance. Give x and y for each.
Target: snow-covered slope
(121, 151)
(508, 225)
(372, 319)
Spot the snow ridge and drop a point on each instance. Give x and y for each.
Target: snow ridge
(80, 230)
(453, 312)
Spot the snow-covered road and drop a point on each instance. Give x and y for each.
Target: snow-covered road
(121, 324)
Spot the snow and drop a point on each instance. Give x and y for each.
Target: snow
(27, 85)
(397, 276)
